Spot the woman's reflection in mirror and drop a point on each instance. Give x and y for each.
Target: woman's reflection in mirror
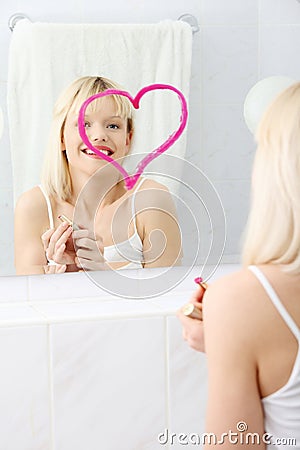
(116, 228)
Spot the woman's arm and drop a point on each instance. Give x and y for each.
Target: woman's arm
(231, 334)
(33, 243)
(160, 228)
(30, 216)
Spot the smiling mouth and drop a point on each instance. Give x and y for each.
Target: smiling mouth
(105, 150)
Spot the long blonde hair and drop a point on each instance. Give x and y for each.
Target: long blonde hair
(56, 178)
(272, 235)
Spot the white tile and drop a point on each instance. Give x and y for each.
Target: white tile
(109, 384)
(209, 274)
(229, 63)
(187, 280)
(59, 286)
(173, 280)
(5, 34)
(17, 315)
(235, 197)
(280, 12)
(24, 399)
(279, 45)
(229, 146)
(85, 309)
(7, 219)
(8, 9)
(190, 237)
(194, 132)
(173, 300)
(81, 285)
(5, 158)
(200, 215)
(187, 386)
(52, 11)
(118, 283)
(7, 267)
(269, 11)
(154, 283)
(5, 155)
(13, 289)
(139, 11)
(224, 269)
(148, 284)
(216, 12)
(96, 309)
(169, 304)
(6, 192)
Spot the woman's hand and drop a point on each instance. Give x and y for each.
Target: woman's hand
(89, 251)
(193, 328)
(55, 268)
(58, 245)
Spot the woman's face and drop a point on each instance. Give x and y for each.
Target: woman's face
(106, 130)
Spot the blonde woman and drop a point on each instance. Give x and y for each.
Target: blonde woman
(251, 319)
(114, 224)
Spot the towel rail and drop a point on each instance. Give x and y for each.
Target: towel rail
(12, 22)
(189, 18)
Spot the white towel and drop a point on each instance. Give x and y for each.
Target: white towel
(44, 58)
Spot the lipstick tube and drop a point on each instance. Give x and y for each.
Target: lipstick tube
(64, 218)
(190, 310)
(201, 283)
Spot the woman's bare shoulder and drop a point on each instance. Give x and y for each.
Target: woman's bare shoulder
(31, 202)
(155, 195)
(236, 305)
(148, 183)
(235, 290)
(234, 281)
(233, 308)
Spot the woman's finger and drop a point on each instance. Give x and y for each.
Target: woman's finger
(95, 255)
(87, 264)
(63, 238)
(58, 256)
(197, 295)
(46, 237)
(85, 242)
(60, 268)
(58, 238)
(83, 233)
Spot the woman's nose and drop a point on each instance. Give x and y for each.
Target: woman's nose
(98, 133)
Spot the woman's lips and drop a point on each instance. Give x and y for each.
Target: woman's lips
(103, 149)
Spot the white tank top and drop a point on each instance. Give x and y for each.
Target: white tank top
(129, 251)
(282, 408)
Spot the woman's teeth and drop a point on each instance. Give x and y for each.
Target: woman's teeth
(90, 152)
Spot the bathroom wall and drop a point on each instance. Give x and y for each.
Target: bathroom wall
(239, 43)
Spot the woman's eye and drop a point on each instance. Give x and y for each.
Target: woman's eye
(87, 124)
(113, 126)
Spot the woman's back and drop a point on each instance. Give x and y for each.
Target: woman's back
(253, 355)
(280, 369)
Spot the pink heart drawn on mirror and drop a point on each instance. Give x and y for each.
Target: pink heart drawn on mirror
(130, 180)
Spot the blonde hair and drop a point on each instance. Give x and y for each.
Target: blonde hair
(56, 178)
(272, 235)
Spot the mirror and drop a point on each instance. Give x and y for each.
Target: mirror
(148, 134)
